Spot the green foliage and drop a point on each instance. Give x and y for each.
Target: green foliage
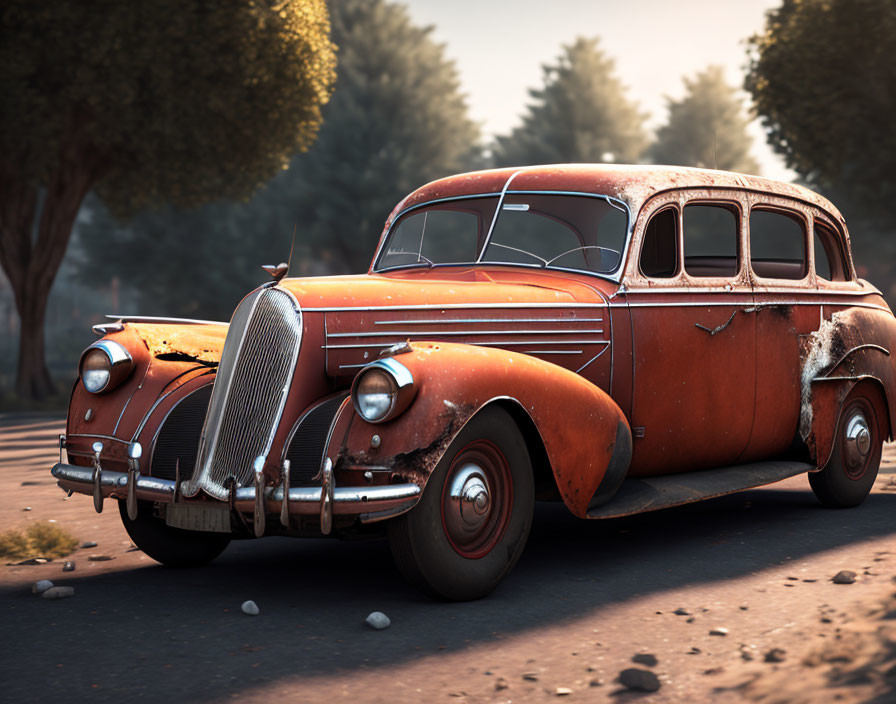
(823, 78)
(37, 540)
(180, 101)
(395, 121)
(581, 114)
(707, 127)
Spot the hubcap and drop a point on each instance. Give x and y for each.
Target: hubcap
(469, 501)
(856, 441)
(477, 497)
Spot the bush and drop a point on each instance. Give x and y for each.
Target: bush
(37, 540)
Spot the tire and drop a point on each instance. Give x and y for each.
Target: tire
(849, 475)
(172, 547)
(456, 550)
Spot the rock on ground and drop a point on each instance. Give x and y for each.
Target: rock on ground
(41, 586)
(250, 608)
(58, 592)
(377, 620)
(639, 680)
(844, 577)
(648, 659)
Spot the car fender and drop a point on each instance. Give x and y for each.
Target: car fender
(585, 435)
(853, 346)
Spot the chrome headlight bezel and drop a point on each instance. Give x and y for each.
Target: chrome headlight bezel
(400, 382)
(116, 360)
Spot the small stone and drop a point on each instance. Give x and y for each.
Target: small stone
(58, 592)
(377, 620)
(530, 676)
(794, 579)
(32, 561)
(596, 683)
(500, 684)
(744, 608)
(775, 655)
(133, 548)
(844, 577)
(810, 580)
(100, 558)
(88, 544)
(694, 650)
(681, 612)
(647, 659)
(27, 508)
(250, 608)
(41, 586)
(563, 691)
(714, 671)
(639, 680)
(719, 631)
(690, 620)
(68, 566)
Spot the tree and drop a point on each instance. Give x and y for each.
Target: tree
(581, 114)
(823, 78)
(707, 127)
(171, 101)
(395, 121)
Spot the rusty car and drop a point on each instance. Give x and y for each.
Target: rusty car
(618, 338)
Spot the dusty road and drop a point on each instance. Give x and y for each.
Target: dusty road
(585, 598)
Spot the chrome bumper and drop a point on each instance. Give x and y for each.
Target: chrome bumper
(369, 503)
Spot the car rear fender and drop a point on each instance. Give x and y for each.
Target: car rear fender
(583, 433)
(854, 346)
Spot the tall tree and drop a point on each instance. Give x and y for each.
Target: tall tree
(823, 78)
(396, 120)
(707, 127)
(580, 114)
(170, 101)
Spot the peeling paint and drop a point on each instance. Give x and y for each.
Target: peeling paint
(821, 349)
(183, 343)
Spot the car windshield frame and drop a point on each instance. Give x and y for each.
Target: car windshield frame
(614, 275)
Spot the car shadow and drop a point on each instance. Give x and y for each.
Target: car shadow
(151, 632)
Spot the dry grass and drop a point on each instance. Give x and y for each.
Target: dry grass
(37, 540)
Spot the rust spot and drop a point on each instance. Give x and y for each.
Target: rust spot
(183, 343)
(183, 357)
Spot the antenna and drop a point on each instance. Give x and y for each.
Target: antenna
(291, 248)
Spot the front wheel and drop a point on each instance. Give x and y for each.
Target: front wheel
(471, 525)
(849, 475)
(172, 547)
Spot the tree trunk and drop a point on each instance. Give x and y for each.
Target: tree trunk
(30, 262)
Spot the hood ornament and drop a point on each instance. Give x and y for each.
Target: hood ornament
(277, 271)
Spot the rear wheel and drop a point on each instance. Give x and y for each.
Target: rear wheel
(471, 525)
(172, 547)
(849, 475)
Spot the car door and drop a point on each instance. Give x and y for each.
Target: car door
(694, 371)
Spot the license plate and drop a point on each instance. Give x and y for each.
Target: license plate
(210, 519)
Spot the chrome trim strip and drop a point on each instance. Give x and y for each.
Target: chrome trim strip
(92, 435)
(453, 333)
(488, 343)
(442, 321)
(498, 208)
(765, 304)
(760, 291)
(594, 358)
(551, 352)
(155, 319)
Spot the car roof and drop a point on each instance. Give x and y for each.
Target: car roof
(632, 184)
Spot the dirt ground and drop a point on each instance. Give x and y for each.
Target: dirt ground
(585, 599)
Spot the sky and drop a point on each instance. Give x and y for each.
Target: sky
(499, 47)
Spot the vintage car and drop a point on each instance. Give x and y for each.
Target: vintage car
(619, 338)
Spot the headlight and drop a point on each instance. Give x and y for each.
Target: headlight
(382, 390)
(104, 365)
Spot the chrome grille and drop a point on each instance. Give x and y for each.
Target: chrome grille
(251, 385)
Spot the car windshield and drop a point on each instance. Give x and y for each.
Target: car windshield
(579, 232)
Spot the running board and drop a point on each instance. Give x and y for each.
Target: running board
(652, 493)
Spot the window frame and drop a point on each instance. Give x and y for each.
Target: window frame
(735, 207)
(764, 204)
(838, 242)
(679, 264)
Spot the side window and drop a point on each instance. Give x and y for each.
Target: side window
(829, 262)
(710, 240)
(777, 244)
(659, 250)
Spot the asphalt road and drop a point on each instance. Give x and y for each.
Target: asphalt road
(585, 597)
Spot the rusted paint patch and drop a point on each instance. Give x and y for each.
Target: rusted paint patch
(820, 350)
(183, 343)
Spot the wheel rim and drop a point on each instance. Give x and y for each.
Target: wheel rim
(857, 437)
(476, 499)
